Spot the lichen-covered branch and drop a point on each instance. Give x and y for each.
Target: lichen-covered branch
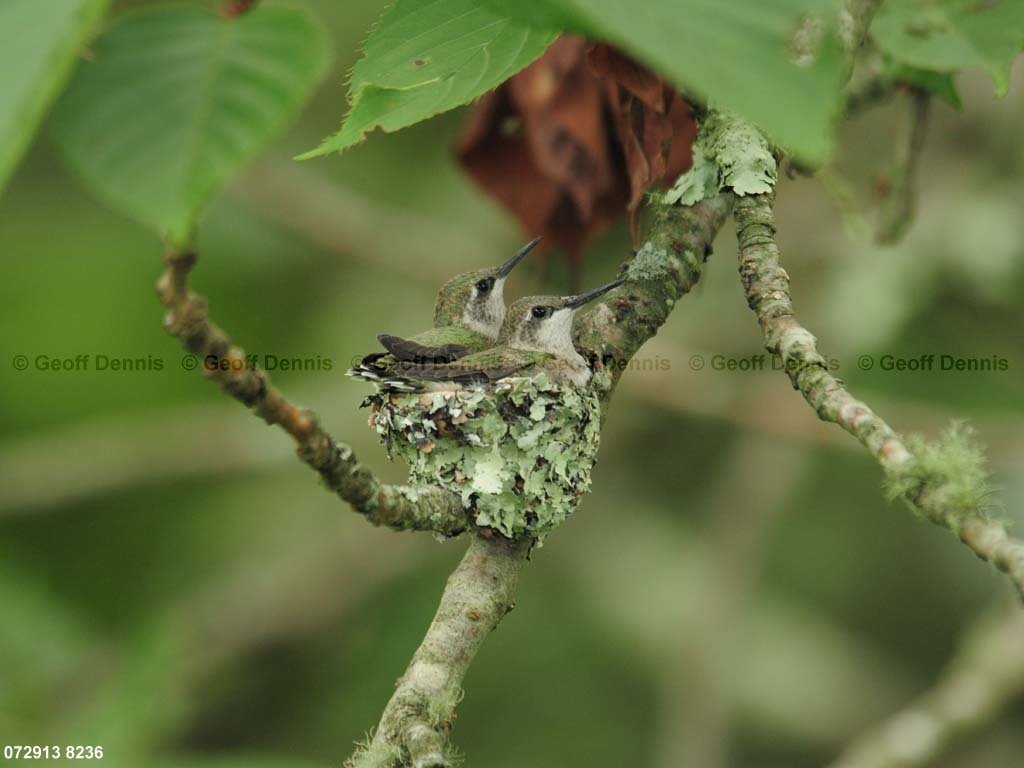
(413, 730)
(897, 210)
(945, 484)
(985, 676)
(397, 507)
(668, 265)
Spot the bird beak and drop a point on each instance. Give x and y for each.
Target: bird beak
(574, 302)
(509, 265)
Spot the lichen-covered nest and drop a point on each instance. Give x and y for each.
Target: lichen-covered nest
(519, 454)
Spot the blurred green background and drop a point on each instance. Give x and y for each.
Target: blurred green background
(175, 587)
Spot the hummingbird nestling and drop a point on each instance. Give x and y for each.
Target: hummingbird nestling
(468, 314)
(536, 337)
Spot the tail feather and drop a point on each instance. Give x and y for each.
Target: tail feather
(383, 379)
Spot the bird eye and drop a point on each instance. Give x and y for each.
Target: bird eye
(540, 312)
(483, 286)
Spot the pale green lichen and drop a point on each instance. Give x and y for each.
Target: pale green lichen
(699, 183)
(519, 455)
(371, 755)
(729, 154)
(946, 481)
(650, 263)
(439, 710)
(601, 382)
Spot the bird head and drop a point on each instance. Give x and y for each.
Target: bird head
(544, 323)
(476, 300)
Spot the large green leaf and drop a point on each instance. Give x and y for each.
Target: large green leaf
(38, 43)
(950, 35)
(736, 54)
(428, 56)
(178, 98)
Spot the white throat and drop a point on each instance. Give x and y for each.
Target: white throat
(486, 318)
(555, 338)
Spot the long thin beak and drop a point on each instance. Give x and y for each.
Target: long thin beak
(509, 265)
(574, 302)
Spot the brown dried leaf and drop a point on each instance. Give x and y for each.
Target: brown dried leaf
(651, 119)
(576, 139)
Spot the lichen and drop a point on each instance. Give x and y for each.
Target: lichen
(699, 183)
(650, 263)
(729, 154)
(371, 755)
(519, 455)
(947, 481)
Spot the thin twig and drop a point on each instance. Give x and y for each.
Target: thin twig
(867, 87)
(398, 507)
(984, 677)
(900, 201)
(766, 285)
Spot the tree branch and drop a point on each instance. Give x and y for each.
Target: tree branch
(668, 265)
(414, 727)
(900, 200)
(397, 507)
(935, 494)
(986, 674)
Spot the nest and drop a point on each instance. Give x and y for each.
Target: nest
(519, 455)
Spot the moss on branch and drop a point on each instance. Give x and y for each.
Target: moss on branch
(946, 484)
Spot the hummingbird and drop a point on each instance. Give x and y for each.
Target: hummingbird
(535, 337)
(468, 314)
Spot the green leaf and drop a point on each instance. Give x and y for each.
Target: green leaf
(428, 56)
(939, 84)
(735, 54)
(951, 35)
(38, 44)
(178, 98)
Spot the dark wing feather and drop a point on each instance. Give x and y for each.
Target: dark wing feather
(405, 350)
(460, 374)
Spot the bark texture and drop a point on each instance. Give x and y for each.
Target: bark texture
(415, 725)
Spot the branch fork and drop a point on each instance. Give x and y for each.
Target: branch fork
(416, 722)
